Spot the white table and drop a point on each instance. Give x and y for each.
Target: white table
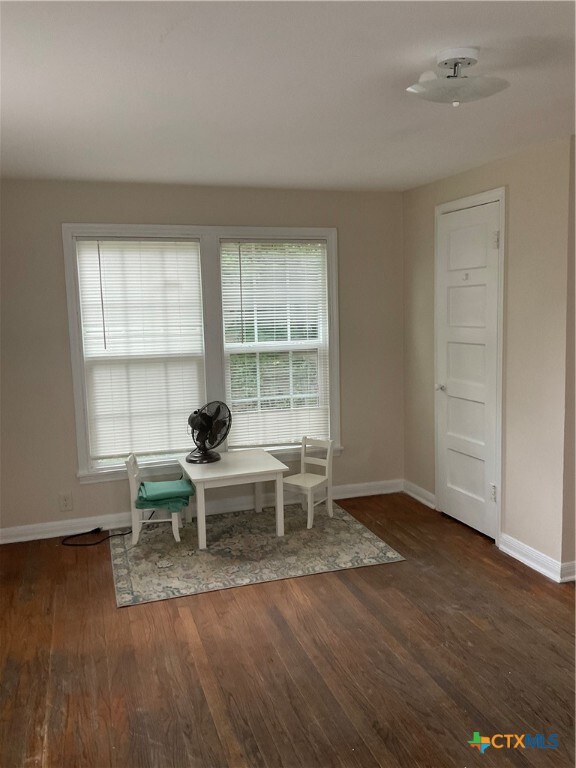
(236, 468)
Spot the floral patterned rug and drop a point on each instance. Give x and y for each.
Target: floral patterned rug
(242, 549)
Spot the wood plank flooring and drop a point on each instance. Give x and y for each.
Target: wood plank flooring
(393, 665)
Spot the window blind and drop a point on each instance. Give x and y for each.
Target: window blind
(143, 344)
(275, 316)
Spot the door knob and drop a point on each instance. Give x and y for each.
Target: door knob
(441, 387)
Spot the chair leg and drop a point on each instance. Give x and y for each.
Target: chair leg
(175, 521)
(310, 509)
(329, 502)
(136, 525)
(189, 511)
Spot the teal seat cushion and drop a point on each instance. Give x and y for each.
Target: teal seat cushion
(172, 495)
(165, 489)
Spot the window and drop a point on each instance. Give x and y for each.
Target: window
(164, 319)
(275, 315)
(142, 342)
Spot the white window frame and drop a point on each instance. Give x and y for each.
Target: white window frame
(209, 238)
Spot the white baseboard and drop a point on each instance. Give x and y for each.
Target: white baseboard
(63, 527)
(367, 489)
(553, 569)
(122, 519)
(420, 494)
(536, 560)
(568, 571)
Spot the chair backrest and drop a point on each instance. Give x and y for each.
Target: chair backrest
(134, 476)
(315, 460)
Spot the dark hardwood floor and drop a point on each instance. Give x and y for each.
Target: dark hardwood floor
(389, 665)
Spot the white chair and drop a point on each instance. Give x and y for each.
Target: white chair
(306, 482)
(138, 520)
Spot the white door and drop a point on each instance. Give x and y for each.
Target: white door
(468, 254)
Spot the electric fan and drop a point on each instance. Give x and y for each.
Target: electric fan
(210, 426)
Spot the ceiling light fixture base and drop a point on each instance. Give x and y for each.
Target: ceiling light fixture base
(465, 57)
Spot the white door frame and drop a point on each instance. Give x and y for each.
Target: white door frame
(490, 196)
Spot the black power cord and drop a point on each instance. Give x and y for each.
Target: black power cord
(65, 541)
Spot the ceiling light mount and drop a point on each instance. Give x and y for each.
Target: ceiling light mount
(462, 57)
(456, 87)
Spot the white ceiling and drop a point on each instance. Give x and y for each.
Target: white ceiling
(280, 94)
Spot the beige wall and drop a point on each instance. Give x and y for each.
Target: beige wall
(38, 431)
(537, 204)
(569, 526)
(386, 340)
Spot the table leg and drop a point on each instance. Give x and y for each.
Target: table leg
(279, 506)
(258, 488)
(201, 515)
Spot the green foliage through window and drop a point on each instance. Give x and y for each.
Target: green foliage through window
(274, 380)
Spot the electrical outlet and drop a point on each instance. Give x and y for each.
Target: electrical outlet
(65, 501)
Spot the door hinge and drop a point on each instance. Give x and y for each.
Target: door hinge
(496, 240)
(493, 495)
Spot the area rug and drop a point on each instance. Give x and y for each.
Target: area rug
(242, 549)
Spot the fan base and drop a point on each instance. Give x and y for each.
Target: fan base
(202, 457)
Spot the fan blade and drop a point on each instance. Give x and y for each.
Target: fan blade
(217, 428)
(200, 421)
